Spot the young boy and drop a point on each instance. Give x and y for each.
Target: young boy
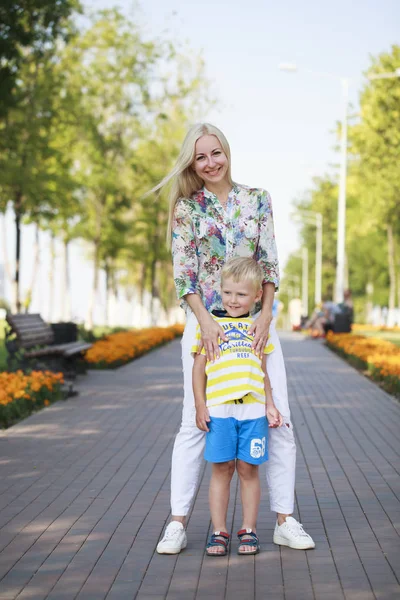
(234, 406)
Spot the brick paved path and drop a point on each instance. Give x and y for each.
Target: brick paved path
(84, 493)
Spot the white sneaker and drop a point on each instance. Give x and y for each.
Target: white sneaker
(292, 534)
(174, 539)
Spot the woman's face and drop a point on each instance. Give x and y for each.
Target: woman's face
(210, 161)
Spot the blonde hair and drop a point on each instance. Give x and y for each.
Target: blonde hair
(243, 269)
(184, 181)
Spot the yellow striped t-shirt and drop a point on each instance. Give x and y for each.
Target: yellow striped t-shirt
(238, 372)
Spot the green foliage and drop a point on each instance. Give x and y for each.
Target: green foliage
(97, 124)
(26, 27)
(373, 198)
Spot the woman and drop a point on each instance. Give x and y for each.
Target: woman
(213, 219)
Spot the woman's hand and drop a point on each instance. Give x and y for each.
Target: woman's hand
(211, 331)
(260, 329)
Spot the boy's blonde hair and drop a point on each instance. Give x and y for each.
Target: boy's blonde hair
(243, 269)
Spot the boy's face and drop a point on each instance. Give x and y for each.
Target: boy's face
(239, 297)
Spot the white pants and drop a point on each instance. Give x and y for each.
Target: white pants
(187, 455)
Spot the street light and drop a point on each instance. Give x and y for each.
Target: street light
(395, 73)
(315, 218)
(304, 281)
(341, 220)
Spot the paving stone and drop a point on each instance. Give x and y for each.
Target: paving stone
(84, 492)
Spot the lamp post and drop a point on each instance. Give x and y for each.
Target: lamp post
(315, 218)
(395, 73)
(304, 281)
(341, 219)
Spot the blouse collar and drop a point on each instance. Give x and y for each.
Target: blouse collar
(212, 196)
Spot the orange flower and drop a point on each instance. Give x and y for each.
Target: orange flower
(15, 386)
(381, 357)
(122, 347)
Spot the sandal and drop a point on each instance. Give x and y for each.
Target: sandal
(218, 539)
(253, 541)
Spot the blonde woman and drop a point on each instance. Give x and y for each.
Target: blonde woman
(212, 219)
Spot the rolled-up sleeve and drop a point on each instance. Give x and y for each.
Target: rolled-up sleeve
(267, 255)
(184, 253)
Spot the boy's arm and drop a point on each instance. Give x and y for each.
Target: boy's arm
(273, 415)
(199, 390)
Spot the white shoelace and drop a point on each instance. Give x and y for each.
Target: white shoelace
(296, 528)
(170, 532)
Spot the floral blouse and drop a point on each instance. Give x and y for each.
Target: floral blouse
(205, 235)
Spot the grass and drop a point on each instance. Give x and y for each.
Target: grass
(389, 336)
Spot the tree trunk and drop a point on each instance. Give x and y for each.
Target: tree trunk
(51, 278)
(66, 284)
(113, 297)
(17, 209)
(95, 285)
(35, 270)
(392, 268)
(153, 273)
(142, 290)
(107, 298)
(397, 253)
(7, 265)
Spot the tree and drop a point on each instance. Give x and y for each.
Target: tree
(373, 196)
(321, 198)
(109, 69)
(182, 96)
(29, 34)
(375, 144)
(26, 27)
(26, 153)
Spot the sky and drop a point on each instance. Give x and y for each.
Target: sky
(280, 125)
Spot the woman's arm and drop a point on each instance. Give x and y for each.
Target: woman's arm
(267, 258)
(199, 379)
(184, 256)
(267, 254)
(186, 279)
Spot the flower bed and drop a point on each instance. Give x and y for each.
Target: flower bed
(120, 348)
(21, 394)
(359, 327)
(381, 359)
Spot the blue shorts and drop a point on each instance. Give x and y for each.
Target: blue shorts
(229, 439)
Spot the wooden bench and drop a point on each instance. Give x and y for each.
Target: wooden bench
(30, 344)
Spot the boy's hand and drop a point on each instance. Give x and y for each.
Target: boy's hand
(273, 415)
(202, 418)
